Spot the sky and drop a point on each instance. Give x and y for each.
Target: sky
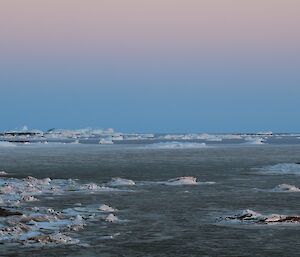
(150, 66)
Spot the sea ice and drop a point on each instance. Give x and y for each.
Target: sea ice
(42, 225)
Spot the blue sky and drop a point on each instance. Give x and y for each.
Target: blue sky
(160, 66)
(145, 97)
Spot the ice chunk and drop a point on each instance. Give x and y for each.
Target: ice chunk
(254, 140)
(286, 188)
(105, 141)
(121, 182)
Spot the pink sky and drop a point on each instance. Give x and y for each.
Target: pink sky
(147, 27)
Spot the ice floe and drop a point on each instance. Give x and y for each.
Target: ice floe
(94, 187)
(106, 208)
(187, 180)
(53, 239)
(252, 217)
(254, 140)
(112, 218)
(27, 225)
(105, 141)
(182, 181)
(286, 188)
(3, 173)
(33, 224)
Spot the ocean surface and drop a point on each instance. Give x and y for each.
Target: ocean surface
(151, 214)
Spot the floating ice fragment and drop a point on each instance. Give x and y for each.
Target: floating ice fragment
(182, 181)
(105, 141)
(112, 218)
(106, 208)
(91, 186)
(29, 198)
(57, 238)
(254, 140)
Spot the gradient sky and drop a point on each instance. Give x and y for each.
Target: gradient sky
(150, 66)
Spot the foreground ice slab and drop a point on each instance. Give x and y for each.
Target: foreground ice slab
(252, 217)
(39, 226)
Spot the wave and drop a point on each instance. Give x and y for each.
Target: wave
(176, 145)
(281, 168)
(180, 181)
(6, 144)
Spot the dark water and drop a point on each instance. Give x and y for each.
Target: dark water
(167, 220)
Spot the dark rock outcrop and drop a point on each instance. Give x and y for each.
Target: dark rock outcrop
(6, 213)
